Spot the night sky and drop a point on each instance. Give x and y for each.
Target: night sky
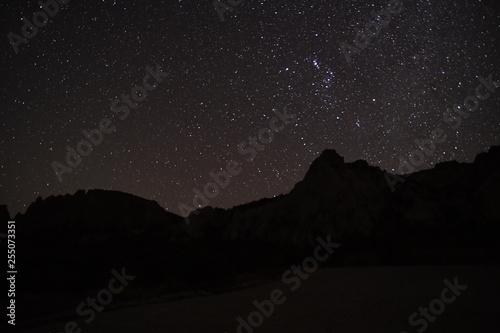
(224, 80)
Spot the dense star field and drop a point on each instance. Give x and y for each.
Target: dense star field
(228, 68)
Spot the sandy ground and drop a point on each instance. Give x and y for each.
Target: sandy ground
(340, 300)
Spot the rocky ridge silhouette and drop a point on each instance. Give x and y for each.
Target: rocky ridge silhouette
(445, 215)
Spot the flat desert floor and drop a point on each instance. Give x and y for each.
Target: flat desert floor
(331, 300)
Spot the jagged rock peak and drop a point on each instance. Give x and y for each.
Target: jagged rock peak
(320, 167)
(330, 157)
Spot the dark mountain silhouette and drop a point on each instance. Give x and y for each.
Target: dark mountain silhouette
(454, 204)
(69, 244)
(95, 213)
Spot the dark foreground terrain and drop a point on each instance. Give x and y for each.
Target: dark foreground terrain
(67, 248)
(334, 300)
